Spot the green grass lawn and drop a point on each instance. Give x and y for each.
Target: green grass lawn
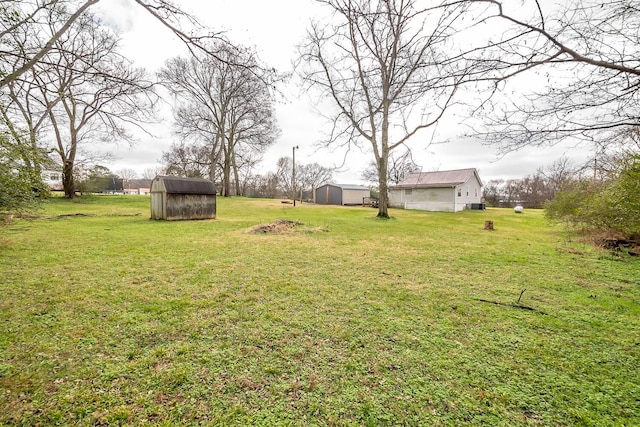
(111, 318)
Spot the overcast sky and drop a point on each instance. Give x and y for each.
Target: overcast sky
(275, 28)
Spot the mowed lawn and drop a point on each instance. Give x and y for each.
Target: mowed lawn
(111, 318)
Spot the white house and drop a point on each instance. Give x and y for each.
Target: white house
(341, 194)
(52, 178)
(446, 191)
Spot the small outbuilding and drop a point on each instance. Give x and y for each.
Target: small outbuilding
(446, 191)
(341, 194)
(178, 198)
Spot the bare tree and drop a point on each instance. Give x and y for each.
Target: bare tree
(311, 176)
(400, 166)
(150, 173)
(100, 93)
(126, 175)
(557, 175)
(245, 160)
(24, 111)
(223, 104)
(492, 192)
(585, 55)
(532, 191)
(283, 174)
(383, 64)
(251, 122)
(20, 16)
(263, 186)
(308, 177)
(189, 160)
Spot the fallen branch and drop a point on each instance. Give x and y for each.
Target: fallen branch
(74, 214)
(522, 307)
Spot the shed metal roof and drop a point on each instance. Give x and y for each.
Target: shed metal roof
(182, 185)
(438, 179)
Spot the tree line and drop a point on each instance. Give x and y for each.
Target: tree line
(271, 184)
(535, 190)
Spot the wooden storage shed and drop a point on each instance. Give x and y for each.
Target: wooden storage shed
(341, 194)
(178, 198)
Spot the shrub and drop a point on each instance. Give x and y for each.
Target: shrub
(20, 184)
(612, 205)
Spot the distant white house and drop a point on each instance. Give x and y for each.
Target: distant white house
(136, 186)
(341, 194)
(446, 191)
(53, 179)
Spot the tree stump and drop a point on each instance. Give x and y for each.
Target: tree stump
(488, 225)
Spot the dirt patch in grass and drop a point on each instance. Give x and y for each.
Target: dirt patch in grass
(285, 226)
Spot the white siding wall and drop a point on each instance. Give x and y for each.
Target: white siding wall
(470, 192)
(395, 199)
(429, 199)
(353, 197)
(53, 179)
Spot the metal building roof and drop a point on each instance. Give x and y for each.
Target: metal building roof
(438, 179)
(348, 186)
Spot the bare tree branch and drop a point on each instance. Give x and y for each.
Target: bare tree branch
(378, 61)
(49, 44)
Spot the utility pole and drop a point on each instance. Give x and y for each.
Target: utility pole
(293, 175)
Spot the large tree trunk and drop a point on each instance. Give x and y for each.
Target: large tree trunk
(383, 203)
(226, 171)
(236, 177)
(383, 161)
(214, 155)
(68, 183)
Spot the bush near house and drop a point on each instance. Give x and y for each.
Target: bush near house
(610, 205)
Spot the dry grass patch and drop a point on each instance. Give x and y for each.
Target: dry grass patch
(285, 226)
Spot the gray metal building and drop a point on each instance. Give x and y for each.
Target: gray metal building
(341, 194)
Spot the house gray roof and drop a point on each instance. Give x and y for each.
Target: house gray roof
(181, 185)
(137, 183)
(438, 179)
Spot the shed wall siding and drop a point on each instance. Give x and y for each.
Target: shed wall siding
(430, 199)
(190, 206)
(158, 205)
(431, 206)
(188, 198)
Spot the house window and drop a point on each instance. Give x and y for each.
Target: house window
(407, 192)
(476, 193)
(459, 192)
(54, 177)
